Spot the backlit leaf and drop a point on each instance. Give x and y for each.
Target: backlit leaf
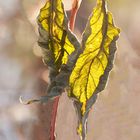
(91, 70)
(55, 37)
(58, 44)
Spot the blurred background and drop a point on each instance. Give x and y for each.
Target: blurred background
(114, 116)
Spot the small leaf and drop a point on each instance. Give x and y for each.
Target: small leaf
(55, 37)
(92, 68)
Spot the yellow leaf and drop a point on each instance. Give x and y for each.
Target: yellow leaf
(91, 70)
(55, 35)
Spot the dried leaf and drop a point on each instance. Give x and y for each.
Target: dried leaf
(55, 37)
(92, 68)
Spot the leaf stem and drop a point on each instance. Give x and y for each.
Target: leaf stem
(53, 120)
(74, 10)
(56, 100)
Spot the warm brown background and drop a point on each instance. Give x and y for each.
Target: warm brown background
(116, 114)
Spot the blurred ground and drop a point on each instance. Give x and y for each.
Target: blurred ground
(116, 112)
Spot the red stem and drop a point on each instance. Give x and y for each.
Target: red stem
(73, 14)
(53, 119)
(56, 100)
